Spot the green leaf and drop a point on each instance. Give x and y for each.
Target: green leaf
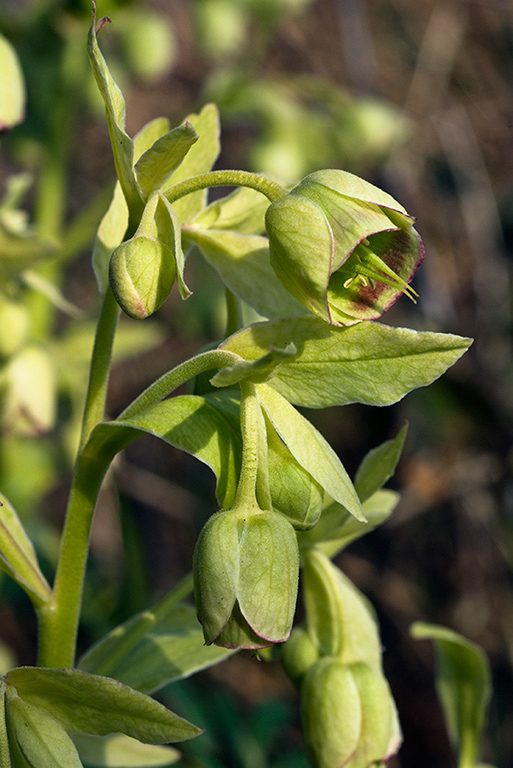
(109, 235)
(120, 751)
(189, 422)
(5, 761)
(85, 703)
(122, 144)
(169, 231)
(258, 371)
(365, 363)
(115, 221)
(463, 685)
(39, 737)
(379, 465)
(153, 648)
(337, 528)
(157, 164)
(310, 449)
(17, 555)
(200, 159)
(242, 263)
(241, 211)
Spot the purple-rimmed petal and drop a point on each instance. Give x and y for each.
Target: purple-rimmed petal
(344, 248)
(353, 295)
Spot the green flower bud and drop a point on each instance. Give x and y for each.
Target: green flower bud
(298, 654)
(339, 618)
(141, 274)
(246, 567)
(343, 247)
(349, 717)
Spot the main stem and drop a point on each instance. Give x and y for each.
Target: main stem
(58, 619)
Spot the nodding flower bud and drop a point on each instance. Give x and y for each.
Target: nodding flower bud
(246, 567)
(344, 248)
(349, 717)
(141, 274)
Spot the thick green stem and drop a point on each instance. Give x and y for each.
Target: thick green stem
(100, 366)
(262, 184)
(169, 381)
(249, 419)
(58, 619)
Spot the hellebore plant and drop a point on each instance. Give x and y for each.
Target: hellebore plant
(317, 263)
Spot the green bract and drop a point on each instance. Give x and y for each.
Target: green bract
(341, 246)
(245, 577)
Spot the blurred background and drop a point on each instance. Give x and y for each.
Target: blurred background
(417, 97)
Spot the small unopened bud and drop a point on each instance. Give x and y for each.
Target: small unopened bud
(141, 274)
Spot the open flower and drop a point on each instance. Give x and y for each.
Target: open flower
(246, 567)
(344, 248)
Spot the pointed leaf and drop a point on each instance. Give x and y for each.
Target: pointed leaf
(337, 528)
(169, 232)
(5, 761)
(379, 465)
(120, 751)
(200, 159)
(85, 703)
(109, 235)
(365, 363)
(115, 221)
(157, 164)
(242, 262)
(310, 449)
(189, 422)
(463, 685)
(17, 555)
(122, 144)
(152, 649)
(41, 739)
(258, 371)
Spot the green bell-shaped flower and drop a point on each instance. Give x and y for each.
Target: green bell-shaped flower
(344, 248)
(246, 567)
